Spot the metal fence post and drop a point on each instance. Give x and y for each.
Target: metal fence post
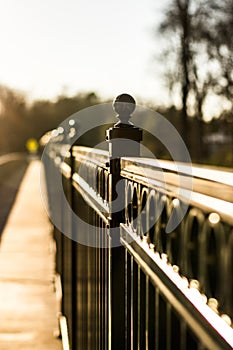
(124, 140)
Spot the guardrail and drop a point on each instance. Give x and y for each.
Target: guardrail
(126, 282)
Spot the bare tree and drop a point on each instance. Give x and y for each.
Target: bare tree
(199, 55)
(221, 46)
(178, 23)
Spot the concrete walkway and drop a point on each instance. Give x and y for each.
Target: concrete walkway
(27, 299)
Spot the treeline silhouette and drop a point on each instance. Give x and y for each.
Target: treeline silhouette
(20, 120)
(197, 58)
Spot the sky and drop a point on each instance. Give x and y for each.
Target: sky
(49, 47)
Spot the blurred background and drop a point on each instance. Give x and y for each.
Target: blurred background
(175, 56)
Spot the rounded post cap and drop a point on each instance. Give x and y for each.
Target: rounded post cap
(124, 105)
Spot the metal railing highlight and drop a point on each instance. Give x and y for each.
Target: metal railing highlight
(133, 285)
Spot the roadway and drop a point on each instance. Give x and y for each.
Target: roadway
(12, 169)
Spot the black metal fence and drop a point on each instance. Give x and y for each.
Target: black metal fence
(126, 282)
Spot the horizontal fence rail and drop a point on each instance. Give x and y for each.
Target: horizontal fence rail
(129, 282)
(185, 274)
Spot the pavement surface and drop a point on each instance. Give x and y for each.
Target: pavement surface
(28, 307)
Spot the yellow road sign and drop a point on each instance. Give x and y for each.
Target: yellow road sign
(32, 145)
